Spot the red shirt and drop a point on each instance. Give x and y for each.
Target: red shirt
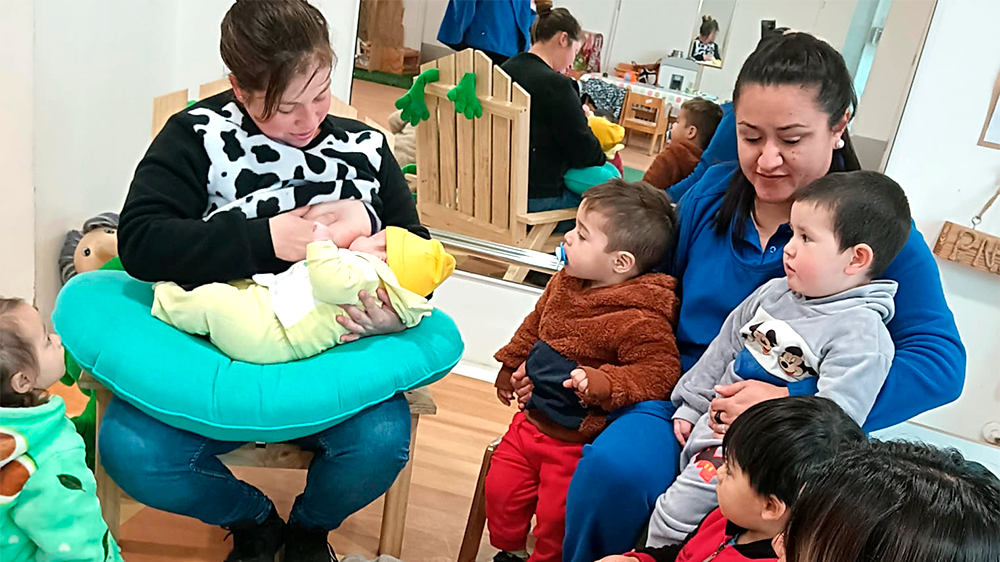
(713, 540)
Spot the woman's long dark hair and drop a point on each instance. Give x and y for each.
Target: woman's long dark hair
(795, 59)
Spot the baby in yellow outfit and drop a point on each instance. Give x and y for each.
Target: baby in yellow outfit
(276, 318)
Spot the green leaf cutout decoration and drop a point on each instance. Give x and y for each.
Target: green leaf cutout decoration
(70, 482)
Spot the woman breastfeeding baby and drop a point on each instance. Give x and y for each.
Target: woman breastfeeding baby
(232, 188)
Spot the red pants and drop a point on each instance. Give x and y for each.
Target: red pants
(529, 475)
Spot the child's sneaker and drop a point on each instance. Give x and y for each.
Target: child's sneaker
(504, 556)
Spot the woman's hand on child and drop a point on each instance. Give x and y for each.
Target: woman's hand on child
(522, 386)
(290, 234)
(578, 381)
(377, 318)
(682, 430)
(734, 399)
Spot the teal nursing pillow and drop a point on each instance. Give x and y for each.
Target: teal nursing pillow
(579, 180)
(182, 380)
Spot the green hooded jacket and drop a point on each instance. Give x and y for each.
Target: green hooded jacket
(48, 504)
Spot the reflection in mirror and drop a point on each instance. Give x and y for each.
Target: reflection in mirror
(711, 31)
(699, 45)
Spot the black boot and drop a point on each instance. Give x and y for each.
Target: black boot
(504, 556)
(257, 542)
(307, 544)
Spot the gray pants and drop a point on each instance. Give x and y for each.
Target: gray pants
(692, 496)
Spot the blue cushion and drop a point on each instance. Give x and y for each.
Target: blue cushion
(579, 180)
(184, 381)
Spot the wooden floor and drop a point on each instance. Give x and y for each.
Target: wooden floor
(376, 101)
(449, 451)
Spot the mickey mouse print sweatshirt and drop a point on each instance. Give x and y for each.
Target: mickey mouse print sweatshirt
(198, 207)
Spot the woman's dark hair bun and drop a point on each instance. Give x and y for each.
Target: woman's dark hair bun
(543, 7)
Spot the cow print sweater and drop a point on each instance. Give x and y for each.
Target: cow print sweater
(198, 207)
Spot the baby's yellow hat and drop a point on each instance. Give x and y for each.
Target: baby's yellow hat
(608, 134)
(420, 265)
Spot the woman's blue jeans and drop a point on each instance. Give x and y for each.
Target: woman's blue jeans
(177, 471)
(617, 481)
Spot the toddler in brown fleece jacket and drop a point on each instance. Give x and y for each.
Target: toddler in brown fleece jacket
(689, 136)
(601, 337)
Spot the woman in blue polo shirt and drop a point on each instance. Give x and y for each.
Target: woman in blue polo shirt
(792, 101)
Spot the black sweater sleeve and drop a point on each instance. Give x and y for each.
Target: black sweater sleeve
(565, 110)
(162, 236)
(398, 207)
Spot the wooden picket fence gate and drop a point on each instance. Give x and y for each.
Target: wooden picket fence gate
(472, 175)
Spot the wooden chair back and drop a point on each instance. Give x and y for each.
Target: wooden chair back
(647, 115)
(472, 175)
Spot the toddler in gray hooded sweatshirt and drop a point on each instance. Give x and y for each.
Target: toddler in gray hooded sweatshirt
(820, 328)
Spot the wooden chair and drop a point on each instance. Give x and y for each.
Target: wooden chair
(646, 115)
(278, 455)
(476, 523)
(472, 175)
(269, 455)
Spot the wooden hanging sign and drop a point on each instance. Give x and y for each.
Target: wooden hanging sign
(967, 246)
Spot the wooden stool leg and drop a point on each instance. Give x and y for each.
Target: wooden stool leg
(108, 493)
(477, 513)
(394, 512)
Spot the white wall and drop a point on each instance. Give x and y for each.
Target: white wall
(414, 15)
(593, 15)
(432, 20)
(948, 177)
(17, 216)
(828, 19)
(97, 66)
(878, 109)
(342, 18)
(650, 29)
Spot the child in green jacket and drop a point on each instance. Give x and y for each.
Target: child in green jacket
(48, 506)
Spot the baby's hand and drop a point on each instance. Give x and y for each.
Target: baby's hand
(682, 430)
(618, 558)
(321, 233)
(577, 380)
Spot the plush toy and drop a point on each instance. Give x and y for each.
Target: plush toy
(412, 103)
(93, 247)
(609, 134)
(405, 149)
(90, 248)
(464, 96)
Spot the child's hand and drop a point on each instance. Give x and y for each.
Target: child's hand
(682, 430)
(506, 395)
(522, 385)
(321, 233)
(578, 381)
(618, 558)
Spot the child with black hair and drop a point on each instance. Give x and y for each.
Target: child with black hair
(819, 330)
(48, 500)
(894, 501)
(770, 452)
